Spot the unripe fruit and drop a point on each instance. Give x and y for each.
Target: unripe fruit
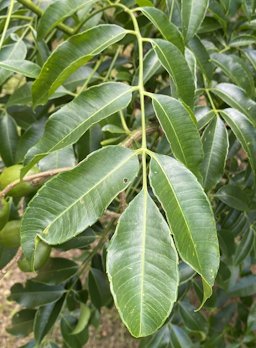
(10, 174)
(42, 254)
(4, 212)
(10, 234)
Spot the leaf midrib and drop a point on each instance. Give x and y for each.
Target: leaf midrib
(168, 120)
(186, 223)
(89, 118)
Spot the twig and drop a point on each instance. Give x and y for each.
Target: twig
(123, 203)
(9, 265)
(137, 135)
(35, 179)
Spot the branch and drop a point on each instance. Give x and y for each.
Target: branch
(37, 10)
(34, 179)
(9, 265)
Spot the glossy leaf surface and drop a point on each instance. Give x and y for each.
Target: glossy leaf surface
(184, 202)
(142, 267)
(180, 130)
(68, 124)
(72, 54)
(89, 188)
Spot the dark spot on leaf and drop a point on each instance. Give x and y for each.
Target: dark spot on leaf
(125, 180)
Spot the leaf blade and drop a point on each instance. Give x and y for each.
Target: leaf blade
(180, 130)
(70, 55)
(68, 124)
(180, 73)
(112, 167)
(215, 144)
(139, 308)
(183, 200)
(193, 13)
(244, 131)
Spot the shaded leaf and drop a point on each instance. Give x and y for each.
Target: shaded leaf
(193, 13)
(56, 271)
(68, 324)
(215, 144)
(236, 98)
(57, 12)
(235, 68)
(22, 323)
(45, 319)
(34, 294)
(246, 286)
(142, 267)
(244, 131)
(233, 196)
(99, 288)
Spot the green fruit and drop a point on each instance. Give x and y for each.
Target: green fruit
(42, 254)
(4, 212)
(10, 174)
(10, 234)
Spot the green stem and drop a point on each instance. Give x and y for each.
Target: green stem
(8, 18)
(112, 63)
(37, 10)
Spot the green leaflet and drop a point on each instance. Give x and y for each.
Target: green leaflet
(244, 131)
(169, 55)
(236, 98)
(142, 267)
(24, 67)
(215, 145)
(193, 13)
(151, 66)
(189, 215)
(14, 51)
(68, 124)
(180, 130)
(168, 30)
(69, 203)
(235, 68)
(69, 56)
(202, 57)
(57, 12)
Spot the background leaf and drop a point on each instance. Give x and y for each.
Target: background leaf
(215, 144)
(193, 13)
